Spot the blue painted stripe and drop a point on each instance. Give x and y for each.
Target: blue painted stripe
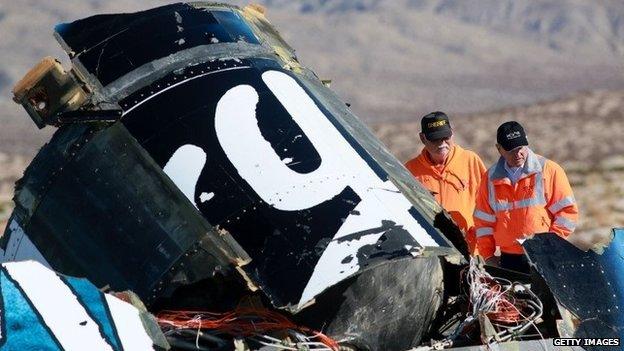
(95, 304)
(23, 328)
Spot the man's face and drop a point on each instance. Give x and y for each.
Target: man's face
(514, 157)
(438, 149)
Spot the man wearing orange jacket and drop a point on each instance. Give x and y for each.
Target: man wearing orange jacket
(523, 194)
(449, 172)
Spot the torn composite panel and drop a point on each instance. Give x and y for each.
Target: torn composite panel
(286, 184)
(95, 205)
(111, 46)
(266, 153)
(589, 285)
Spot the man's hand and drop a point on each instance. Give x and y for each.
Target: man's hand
(493, 261)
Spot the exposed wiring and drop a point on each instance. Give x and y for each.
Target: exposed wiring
(254, 323)
(511, 307)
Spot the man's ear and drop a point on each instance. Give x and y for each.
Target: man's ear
(423, 139)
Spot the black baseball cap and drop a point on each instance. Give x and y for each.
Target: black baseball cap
(510, 135)
(436, 126)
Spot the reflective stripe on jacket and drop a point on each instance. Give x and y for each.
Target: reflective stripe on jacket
(454, 187)
(541, 201)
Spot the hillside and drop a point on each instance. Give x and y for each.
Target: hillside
(391, 59)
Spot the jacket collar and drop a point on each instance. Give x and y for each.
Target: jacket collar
(531, 166)
(448, 175)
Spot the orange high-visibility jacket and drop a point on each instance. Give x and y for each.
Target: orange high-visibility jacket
(541, 201)
(454, 187)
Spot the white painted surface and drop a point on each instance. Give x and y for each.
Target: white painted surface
(341, 166)
(20, 247)
(58, 306)
(380, 200)
(184, 168)
(206, 196)
(238, 133)
(376, 206)
(129, 325)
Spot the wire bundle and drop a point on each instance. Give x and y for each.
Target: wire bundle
(511, 307)
(491, 296)
(246, 322)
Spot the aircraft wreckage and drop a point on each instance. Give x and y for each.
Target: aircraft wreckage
(199, 169)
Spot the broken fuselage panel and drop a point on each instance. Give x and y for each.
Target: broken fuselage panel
(226, 152)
